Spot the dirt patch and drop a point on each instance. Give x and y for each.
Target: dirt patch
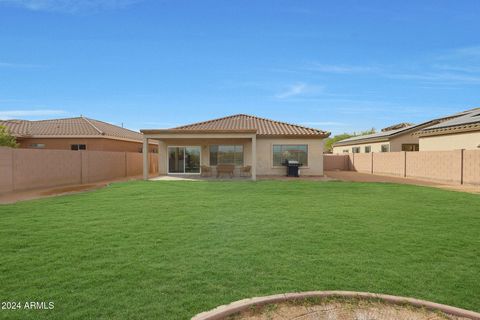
(16, 196)
(339, 309)
(305, 178)
(367, 177)
(70, 189)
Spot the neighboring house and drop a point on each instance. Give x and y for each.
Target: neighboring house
(75, 134)
(461, 131)
(457, 131)
(241, 141)
(394, 138)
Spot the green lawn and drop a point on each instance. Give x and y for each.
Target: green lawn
(168, 250)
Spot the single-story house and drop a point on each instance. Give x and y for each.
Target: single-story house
(78, 133)
(394, 138)
(245, 143)
(457, 131)
(462, 131)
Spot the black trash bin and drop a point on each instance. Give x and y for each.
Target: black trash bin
(292, 168)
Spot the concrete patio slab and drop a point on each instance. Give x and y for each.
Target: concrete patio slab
(174, 178)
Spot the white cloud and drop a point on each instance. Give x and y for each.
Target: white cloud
(299, 89)
(458, 68)
(293, 90)
(438, 77)
(342, 69)
(472, 51)
(70, 6)
(11, 114)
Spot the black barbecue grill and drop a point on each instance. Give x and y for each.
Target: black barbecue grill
(292, 168)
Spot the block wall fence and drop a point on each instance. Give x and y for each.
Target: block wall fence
(455, 167)
(23, 169)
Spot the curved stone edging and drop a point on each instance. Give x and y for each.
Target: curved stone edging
(242, 305)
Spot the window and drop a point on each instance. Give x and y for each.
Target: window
(283, 152)
(78, 147)
(226, 154)
(37, 145)
(368, 149)
(355, 149)
(410, 147)
(154, 150)
(345, 150)
(385, 148)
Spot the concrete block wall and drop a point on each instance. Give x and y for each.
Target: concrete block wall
(454, 167)
(23, 169)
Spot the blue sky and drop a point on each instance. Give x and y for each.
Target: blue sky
(335, 65)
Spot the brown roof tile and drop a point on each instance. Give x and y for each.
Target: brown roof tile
(264, 127)
(68, 127)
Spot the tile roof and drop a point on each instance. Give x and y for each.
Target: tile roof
(69, 127)
(263, 127)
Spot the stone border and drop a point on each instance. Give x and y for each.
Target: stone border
(242, 305)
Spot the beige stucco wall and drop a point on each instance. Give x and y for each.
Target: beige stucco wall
(93, 144)
(264, 153)
(265, 156)
(376, 147)
(468, 141)
(205, 147)
(394, 143)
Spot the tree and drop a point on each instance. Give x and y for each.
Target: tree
(330, 141)
(6, 139)
(364, 133)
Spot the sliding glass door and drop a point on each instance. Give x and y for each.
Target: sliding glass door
(184, 159)
(176, 163)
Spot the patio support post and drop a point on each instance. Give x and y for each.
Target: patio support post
(145, 158)
(254, 158)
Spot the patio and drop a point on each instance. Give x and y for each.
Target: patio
(204, 155)
(196, 178)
